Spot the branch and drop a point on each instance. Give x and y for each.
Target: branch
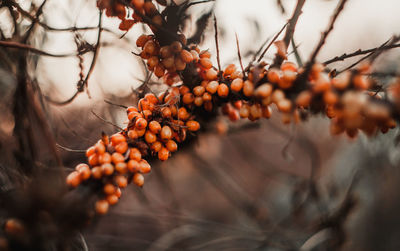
(239, 55)
(272, 41)
(216, 43)
(29, 48)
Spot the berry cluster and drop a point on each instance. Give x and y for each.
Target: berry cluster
(159, 123)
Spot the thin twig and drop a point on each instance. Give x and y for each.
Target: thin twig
(106, 121)
(239, 55)
(272, 41)
(216, 43)
(12, 44)
(111, 103)
(69, 149)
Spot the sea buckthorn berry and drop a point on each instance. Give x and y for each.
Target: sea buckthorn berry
(223, 90)
(208, 106)
(132, 134)
(174, 110)
(154, 127)
(233, 115)
(211, 74)
(117, 157)
(90, 151)
(248, 88)
(157, 19)
(152, 61)
(93, 160)
(118, 192)
(284, 105)
(237, 85)
(107, 169)
(199, 90)
(193, 125)
(163, 154)
(205, 63)
(97, 173)
(244, 111)
(144, 166)
(316, 69)
(263, 91)
(188, 98)
(304, 99)
(13, 227)
(198, 101)
(109, 189)
(330, 98)
(207, 97)
(166, 133)
(266, 112)
(121, 147)
(212, 87)
(133, 115)
(159, 70)
(277, 96)
(142, 40)
(165, 52)
(74, 179)
(112, 199)
(121, 181)
(229, 69)
(131, 109)
(322, 84)
(83, 170)
(195, 55)
(101, 207)
(135, 154)
(205, 54)
(121, 167)
(141, 124)
(133, 166)
(237, 74)
(289, 76)
(179, 64)
(138, 3)
(141, 132)
(138, 179)
(117, 138)
(361, 82)
(100, 148)
(171, 145)
(183, 114)
(183, 89)
(273, 75)
(150, 137)
(168, 62)
(255, 112)
(150, 48)
(289, 66)
(156, 146)
(176, 47)
(186, 56)
(166, 112)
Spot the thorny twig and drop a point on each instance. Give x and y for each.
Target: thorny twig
(239, 55)
(216, 43)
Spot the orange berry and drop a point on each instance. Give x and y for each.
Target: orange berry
(168, 62)
(211, 74)
(207, 97)
(186, 56)
(193, 125)
(142, 39)
(141, 132)
(150, 47)
(118, 192)
(156, 146)
(208, 106)
(237, 85)
(138, 179)
(107, 169)
(183, 114)
(289, 66)
(266, 112)
(199, 90)
(248, 88)
(166, 133)
(109, 189)
(284, 105)
(205, 54)
(361, 82)
(74, 179)
(101, 207)
(154, 127)
(171, 145)
(176, 47)
(255, 112)
(244, 111)
(195, 55)
(166, 112)
(144, 166)
(83, 170)
(90, 151)
(121, 167)
(330, 98)
(14, 227)
(112, 199)
(99, 147)
(138, 3)
(150, 137)
(205, 63)
(212, 87)
(141, 124)
(121, 147)
(117, 138)
(273, 75)
(237, 74)
(223, 90)
(277, 96)
(121, 181)
(188, 98)
(157, 19)
(163, 154)
(149, 8)
(97, 173)
(117, 157)
(133, 166)
(135, 154)
(179, 63)
(165, 52)
(198, 101)
(264, 91)
(229, 69)
(304, 99)
(93, 160)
